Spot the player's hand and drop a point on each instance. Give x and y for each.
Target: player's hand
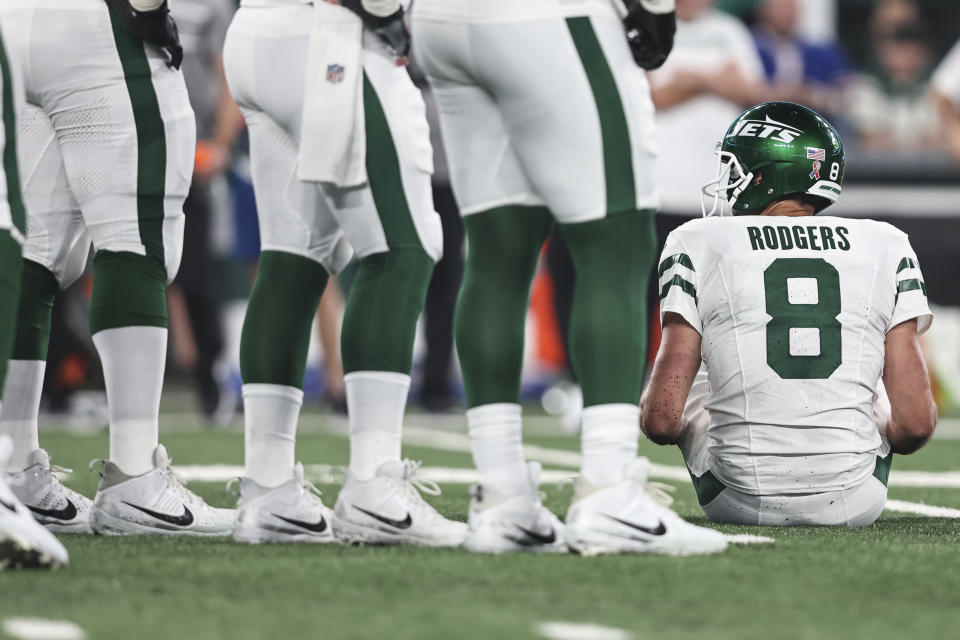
(390, 29)
(650, 27)
(155, 27)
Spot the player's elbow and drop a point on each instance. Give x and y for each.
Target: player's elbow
(660, 427)
(913, 431)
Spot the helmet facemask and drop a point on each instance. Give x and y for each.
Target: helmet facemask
(726, 188)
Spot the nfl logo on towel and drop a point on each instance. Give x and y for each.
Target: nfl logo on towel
(335, 73)
(812, 153)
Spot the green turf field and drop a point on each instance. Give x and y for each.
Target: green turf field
(900, 577)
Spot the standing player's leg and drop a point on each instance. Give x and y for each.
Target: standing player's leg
(12, 210)
(301, 243)
(23, 542)
(600, 132)
(506, 226)
(397, 237)
(126, 132)
(54, 255)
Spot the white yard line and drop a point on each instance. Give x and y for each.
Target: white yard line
(747, 538)
(40, 629)
(921, 509)
(460, 443)
(579, 631)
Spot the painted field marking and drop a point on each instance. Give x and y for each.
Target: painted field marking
(747, 538)
(920, 509)
(579, 631)
(40, 629)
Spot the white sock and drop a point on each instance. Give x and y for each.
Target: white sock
(21, 408)
(133, 362)
(270, 414)
(375, 402)
(609, 441)
(496, 439)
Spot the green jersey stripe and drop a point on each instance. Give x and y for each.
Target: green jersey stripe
(383, 172)
(910, 285)
(906, 263)
(617, 153)
(685, 285)
(10, 168)
(151, 138)
(681, 258)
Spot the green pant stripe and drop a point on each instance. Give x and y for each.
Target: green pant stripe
(881, 471)
(383, 172)
(10, 168)
(707, 487)
(151, 138)
(617, 155)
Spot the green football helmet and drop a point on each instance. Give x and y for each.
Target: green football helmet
(774, 151)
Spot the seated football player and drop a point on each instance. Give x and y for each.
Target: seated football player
(796, 321)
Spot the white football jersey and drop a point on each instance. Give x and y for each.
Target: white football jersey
(793, 314)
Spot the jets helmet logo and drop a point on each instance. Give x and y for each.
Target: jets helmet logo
(768, 129)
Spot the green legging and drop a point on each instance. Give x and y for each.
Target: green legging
(379, 324)
(608, 326)
(10, 267)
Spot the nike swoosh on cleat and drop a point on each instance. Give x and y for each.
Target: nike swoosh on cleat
(8, 505)
(397, 524)
(659, 530)
(314, 527)
(69, 512)
(184, 520)
(538, 538)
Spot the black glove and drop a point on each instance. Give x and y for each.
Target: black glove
(155, 28)
(390, 29)
(650, 35)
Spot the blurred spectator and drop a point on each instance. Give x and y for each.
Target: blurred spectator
(891, 107)
(329, 322)
(195, 306)
(946, 95)
(799, 71)
(712, 74)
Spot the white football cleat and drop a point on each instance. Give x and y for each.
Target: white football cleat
(156, 502)
(633, 516)
(388, 509)
(24, 543)
(501, 523)
(56, 507)
(292, 512)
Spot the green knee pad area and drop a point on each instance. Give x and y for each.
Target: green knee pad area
(10, 267)
(279, 318)
(609, 322)
(383, 306)
(129, 290)
(38, 288)
(503, 249)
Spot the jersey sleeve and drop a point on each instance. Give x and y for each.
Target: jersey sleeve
(910, 291)
(678, 283)
(946, 79)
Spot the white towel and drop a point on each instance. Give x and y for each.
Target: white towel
(333, 136)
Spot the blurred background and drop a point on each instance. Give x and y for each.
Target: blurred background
(885, 72)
